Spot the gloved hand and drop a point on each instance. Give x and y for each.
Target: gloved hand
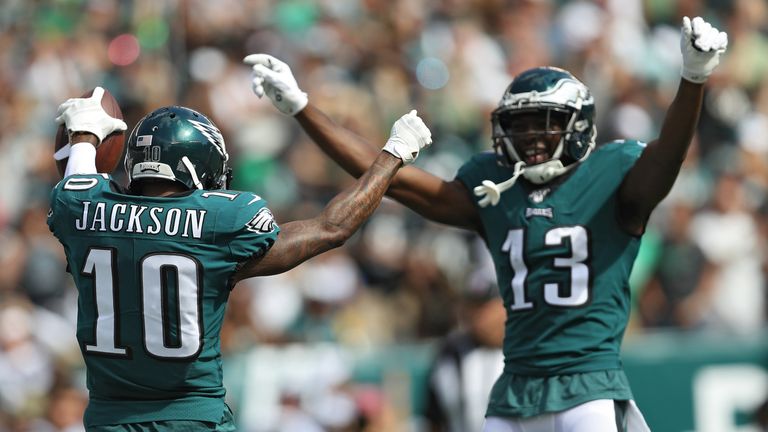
(275, 79)
(701, 45)
(87, 115)
(409, 135)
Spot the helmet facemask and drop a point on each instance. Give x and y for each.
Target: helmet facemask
(555, 97)
(533, 136)
(543, 94)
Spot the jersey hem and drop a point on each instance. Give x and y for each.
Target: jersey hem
(101, 413)
(497, 411)
(513, 367)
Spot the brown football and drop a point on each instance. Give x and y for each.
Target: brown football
(110, 151)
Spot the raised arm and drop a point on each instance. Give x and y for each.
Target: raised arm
(86, 124)
(301, 240)
(654, 173)
(430, 196)
(435, 199)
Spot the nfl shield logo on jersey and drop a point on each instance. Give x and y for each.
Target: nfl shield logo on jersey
(538, 195)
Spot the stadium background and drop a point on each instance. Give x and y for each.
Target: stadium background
(350, 335)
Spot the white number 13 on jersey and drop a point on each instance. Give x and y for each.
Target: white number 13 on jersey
(553, 294)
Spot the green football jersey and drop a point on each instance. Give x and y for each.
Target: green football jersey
(562, 262)
(153, 276)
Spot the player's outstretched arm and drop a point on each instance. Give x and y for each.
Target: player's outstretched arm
(301, 240)
(441, 201)
(654, 173)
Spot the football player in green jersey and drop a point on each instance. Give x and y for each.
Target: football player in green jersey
(154, 265)
(562, 219)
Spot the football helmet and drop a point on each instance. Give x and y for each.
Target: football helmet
(179, 144)
(552, 93)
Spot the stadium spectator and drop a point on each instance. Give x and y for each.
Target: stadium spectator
(680, 287)
(726, 232)
(468, 360)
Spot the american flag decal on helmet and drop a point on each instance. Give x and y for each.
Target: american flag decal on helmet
(263, 222)
(143, 140)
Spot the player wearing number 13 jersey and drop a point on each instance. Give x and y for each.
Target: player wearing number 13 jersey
(565, 265)
(154, 265)
(562, 219)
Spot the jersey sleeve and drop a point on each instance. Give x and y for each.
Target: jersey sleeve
(250, 229)
(67, 195)
(623, 155)
(53, 211)
(467, 172)
(481, 166)
(628, 151)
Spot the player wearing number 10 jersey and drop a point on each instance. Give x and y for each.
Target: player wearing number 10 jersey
(153, 276)
(154, 265)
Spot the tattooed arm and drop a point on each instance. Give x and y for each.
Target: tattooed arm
(301, 240)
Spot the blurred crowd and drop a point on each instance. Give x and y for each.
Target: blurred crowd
(297, 344)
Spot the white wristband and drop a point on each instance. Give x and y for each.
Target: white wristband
(82, 159)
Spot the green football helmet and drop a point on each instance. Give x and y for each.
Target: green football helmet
(552, 93)
(179, 144)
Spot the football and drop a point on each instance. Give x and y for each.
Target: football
(110, 151)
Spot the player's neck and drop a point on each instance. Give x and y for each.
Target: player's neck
(161, 189)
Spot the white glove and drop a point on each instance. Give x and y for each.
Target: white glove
(702, 46)
(409, 135)
(274, 78)
(87, 115)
